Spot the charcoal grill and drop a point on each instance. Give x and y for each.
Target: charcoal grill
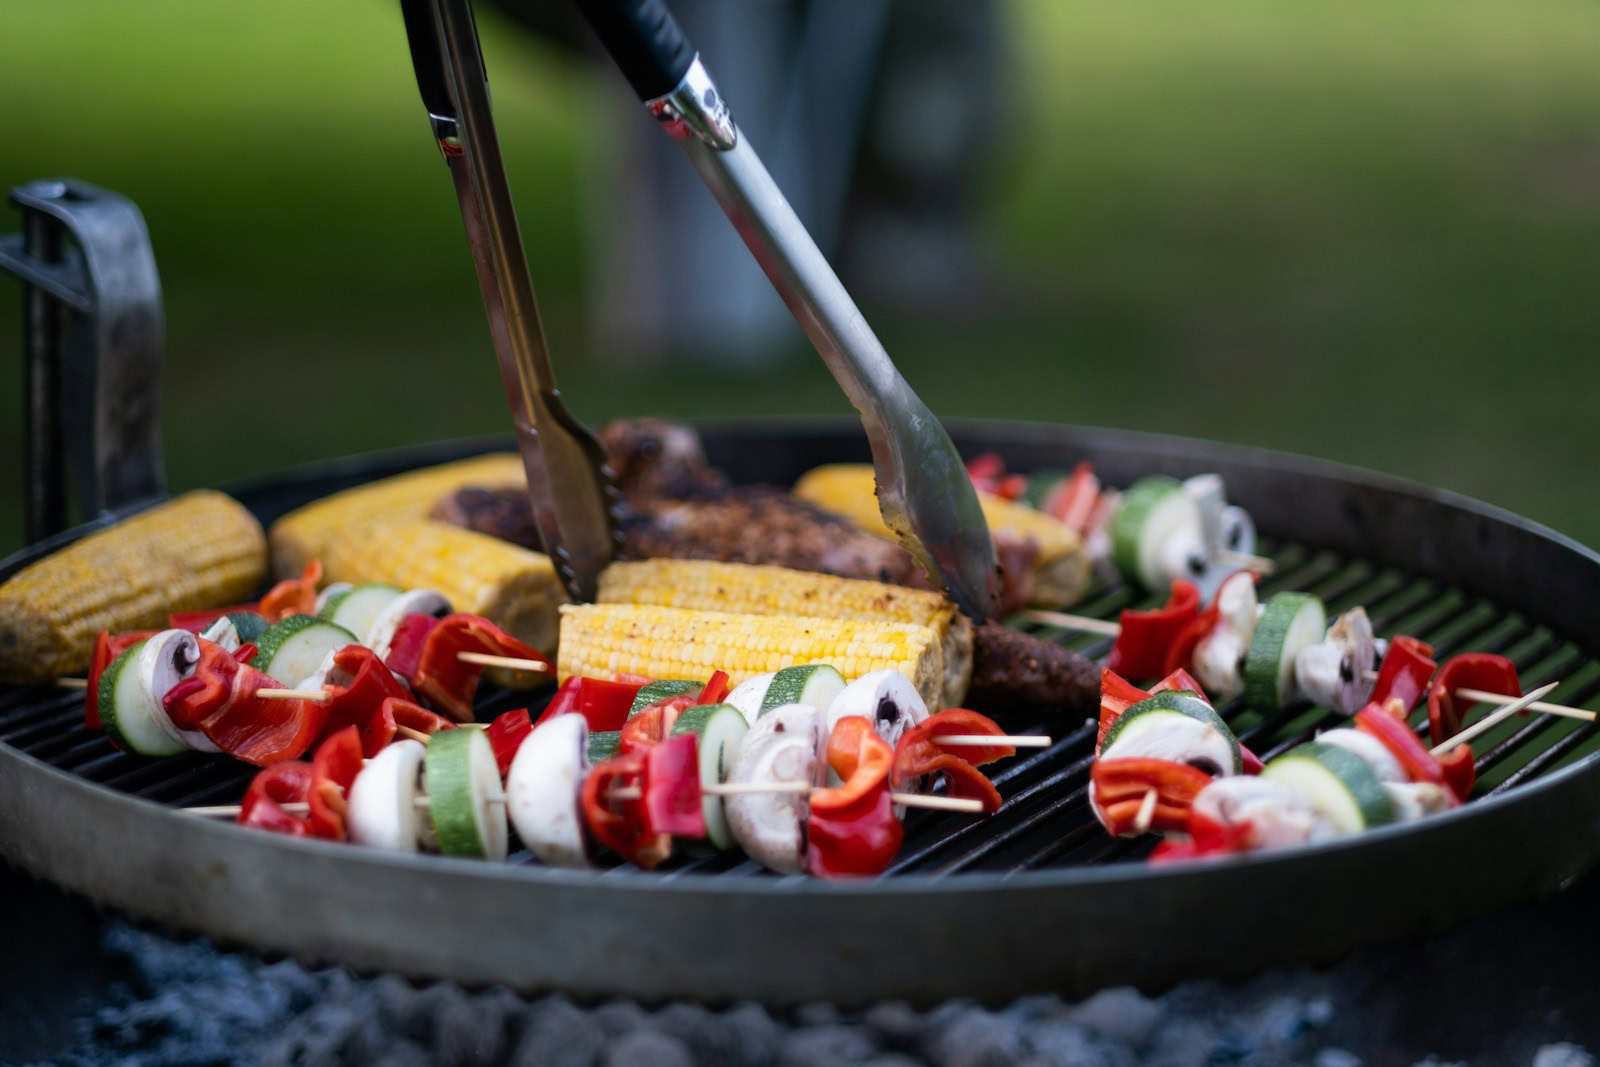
(1033, 898)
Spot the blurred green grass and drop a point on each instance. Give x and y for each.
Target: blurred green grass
(1360, 230)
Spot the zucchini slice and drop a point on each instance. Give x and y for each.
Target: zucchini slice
(250, 625)
(1337, 782)
(813, 684)
(1154, 511)
(603, 744)
(357, 608)
(1162, 727)
(1289, 622)
(462, 780)
(294, 648)
(653, 691)
(719, 730)
(131, 713)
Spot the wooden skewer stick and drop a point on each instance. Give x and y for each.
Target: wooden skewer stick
(1486, 697)
(316, 696)
(1084, 623)
(72, 683)
(1493, 719)
(1246, 562)
(1014, 740)
(922, 800)
(413, 734)
(231, 811)
(1538, 705)
(1146, 813)
(910, 800)
(514, 662)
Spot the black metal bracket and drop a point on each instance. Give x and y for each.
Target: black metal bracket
(93, 332)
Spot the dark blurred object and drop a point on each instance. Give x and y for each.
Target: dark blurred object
(873, 116)
(94, 332)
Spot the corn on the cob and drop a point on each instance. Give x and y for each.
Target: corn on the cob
(764, 590)
(299, 536)
(202, 550)
(604, 640)
(1060, 571)
(516, 589)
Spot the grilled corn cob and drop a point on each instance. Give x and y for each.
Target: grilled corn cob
(604, 640)
(299, 536)
(202, 550)
(516, 589)
(764, 590)
(1060, 571)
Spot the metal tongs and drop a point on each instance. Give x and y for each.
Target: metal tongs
(571, 494)
(923, 489)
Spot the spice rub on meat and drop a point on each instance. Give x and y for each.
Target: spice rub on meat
(675, 505)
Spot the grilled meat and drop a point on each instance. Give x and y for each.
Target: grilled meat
(1014, 669)
(675, 505)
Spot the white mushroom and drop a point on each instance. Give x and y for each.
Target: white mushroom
(1218, 655)
(415, 602)
(1174, 737)
(1275, 814)
(166, 659)
(782, 746)
(382, 803)
(885, 698)
(1412, 800)
(1332, 672)
(222, 632)
(542, 790)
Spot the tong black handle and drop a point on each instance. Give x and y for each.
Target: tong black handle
(645, 40)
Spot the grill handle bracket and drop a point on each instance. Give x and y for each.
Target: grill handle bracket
(93, 334)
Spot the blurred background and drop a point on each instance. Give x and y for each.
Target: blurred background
(1358, 229)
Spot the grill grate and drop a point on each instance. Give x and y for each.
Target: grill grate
(1045, 821)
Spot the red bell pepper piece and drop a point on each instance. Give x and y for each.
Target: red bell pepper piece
(1117, 694)
(856, 840)
(919, 754)
(653, 722)
(380, 730)
(1460, 768)
(107, 647)
(1074, 502)
(851, 829)
(333, 768)
(448, 683)
(220, 701)
(1471, 670)
(715, 689)
(292, 596)
(671, 787)
(1181, 651)
(1146, 637)
(1388, 724)
(1249, 762)
(370, 684)
(618, 821)
(986, 470)
(197, 621)
(1121, 785)
(506, 735)
(604, 705)
(1405, 672)
(859, 757)
(405, 647)
(283, 783)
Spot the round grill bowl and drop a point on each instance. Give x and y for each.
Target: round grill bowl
(1035, 898)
